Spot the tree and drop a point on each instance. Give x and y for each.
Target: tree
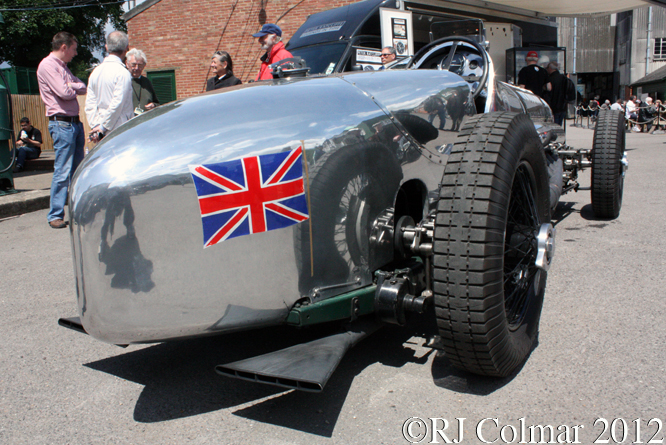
(25, 37)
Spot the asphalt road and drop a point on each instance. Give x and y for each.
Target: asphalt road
(601, 353)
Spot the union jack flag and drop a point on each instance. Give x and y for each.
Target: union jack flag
(250, 195)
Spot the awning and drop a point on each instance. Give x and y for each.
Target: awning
(563, 8)
(535, 11)
(657, 75)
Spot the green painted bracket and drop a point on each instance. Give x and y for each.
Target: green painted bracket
(350, 305)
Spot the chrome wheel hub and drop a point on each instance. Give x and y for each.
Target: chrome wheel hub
(545, 246)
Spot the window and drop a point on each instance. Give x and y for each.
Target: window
(660, 48)
(164, 83)
(321, 58)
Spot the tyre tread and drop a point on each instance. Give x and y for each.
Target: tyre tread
(469, 245)
(607, 151)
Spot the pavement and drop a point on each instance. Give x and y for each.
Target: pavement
(32, 187)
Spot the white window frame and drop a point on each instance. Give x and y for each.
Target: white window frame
(659, 51)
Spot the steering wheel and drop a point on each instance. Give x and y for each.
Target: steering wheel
(448, 62)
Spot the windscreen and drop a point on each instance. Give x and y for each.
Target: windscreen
(321, 59)
(464, 27)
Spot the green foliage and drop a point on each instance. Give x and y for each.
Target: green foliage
(25, 37)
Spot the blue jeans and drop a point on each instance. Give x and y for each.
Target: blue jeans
(26, 152)
(68, 142)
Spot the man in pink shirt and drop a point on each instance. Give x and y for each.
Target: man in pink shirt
(59, 88)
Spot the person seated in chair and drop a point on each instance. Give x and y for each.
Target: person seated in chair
(594, 108)
(28, 144)
(646, 114)
(659, 122)
(631, 114)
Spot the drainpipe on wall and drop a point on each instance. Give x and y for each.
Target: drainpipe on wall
(575, 37)
(647, 46)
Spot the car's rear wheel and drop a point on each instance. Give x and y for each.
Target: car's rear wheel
(608, 164)
(493, 206)
(349, 188)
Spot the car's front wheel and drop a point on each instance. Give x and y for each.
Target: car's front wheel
(491, 234)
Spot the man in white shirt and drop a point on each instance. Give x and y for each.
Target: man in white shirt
(109, 100)
(631, 109)
(617, 105)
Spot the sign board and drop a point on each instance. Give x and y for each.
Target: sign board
(367, 58)
(397, 31)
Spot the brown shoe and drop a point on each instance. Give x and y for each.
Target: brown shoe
(57, 224)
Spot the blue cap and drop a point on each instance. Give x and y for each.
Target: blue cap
(269, 28)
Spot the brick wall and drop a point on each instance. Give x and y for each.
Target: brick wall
(183, 34)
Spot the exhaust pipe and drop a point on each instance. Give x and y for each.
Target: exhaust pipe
(73, 323)
(306, 367)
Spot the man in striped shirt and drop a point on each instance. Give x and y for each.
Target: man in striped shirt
(58, 88)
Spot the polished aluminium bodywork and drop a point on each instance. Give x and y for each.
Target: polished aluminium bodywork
(142, 273)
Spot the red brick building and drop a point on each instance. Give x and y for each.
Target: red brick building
(180, 36)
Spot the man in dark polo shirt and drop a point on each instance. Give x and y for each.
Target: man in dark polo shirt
(58, 88)
(533, 77)
(28, 144)
(222, 67)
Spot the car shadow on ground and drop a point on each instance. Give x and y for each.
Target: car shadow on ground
(445, 375)
(566, 209)
(588, 214)
(563, 211)
(179, 378)
(318, 413)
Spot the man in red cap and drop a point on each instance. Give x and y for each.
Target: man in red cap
(270, 39)
(533, 77)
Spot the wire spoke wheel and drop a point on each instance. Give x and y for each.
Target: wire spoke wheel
(353, 222)
(520, 270)
(493, 203)
(349, 188)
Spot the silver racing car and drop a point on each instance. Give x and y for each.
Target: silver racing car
(360, 198)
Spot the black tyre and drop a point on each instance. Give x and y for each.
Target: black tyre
(607, 166)
(349, 188)
(493, 201)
